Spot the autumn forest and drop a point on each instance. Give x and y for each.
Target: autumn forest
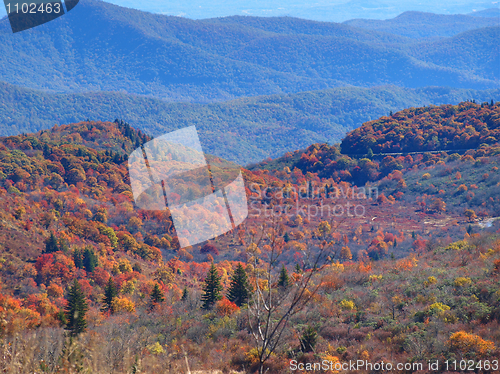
(416, 286)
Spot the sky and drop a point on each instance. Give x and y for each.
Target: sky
(321, 10)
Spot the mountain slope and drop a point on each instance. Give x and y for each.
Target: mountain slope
(102, 47)
(447, 152)
(490, 12)
(425, 25)
(446, 128)
(298, 26)
(407, 267)
(478, 49)
(244, 130)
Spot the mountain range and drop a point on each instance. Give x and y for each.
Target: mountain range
(103, 47)
(244, 130)
(425, 25)
(380, 246)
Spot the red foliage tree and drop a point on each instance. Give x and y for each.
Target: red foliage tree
(209, 248)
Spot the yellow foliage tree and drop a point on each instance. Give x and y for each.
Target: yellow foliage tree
(470, 344)
(124, 266)
(345, 253)
(324, 228)
(462, 281)
(134, 223)
(347, 305)
(122, 304)
(470, 214)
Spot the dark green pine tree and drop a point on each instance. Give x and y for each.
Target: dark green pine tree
(51, 244)
(46, 151)
(185, 294)
(157, 295)
(283, 279)
(238, 290)
(90, 260)
(110, 292)
(212, 288)
(78, 258)
(308, 340)
(75, 310)
(286, 237)
(298, 269)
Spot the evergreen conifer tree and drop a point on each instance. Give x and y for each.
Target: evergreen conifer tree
(238, 290)
(185, 294)
(212, 288)
(298, 269)
(283, 279)
(286, 237)
(78, 258)
(51, 244)
(157, 295)
(90, 260)
(110, 292)
(75, 310)
(308, 340)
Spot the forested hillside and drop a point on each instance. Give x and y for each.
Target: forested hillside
(447, 127)
(454, 143)
(260, 127)
(403, 270)
(426, 25)
(102, 47)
